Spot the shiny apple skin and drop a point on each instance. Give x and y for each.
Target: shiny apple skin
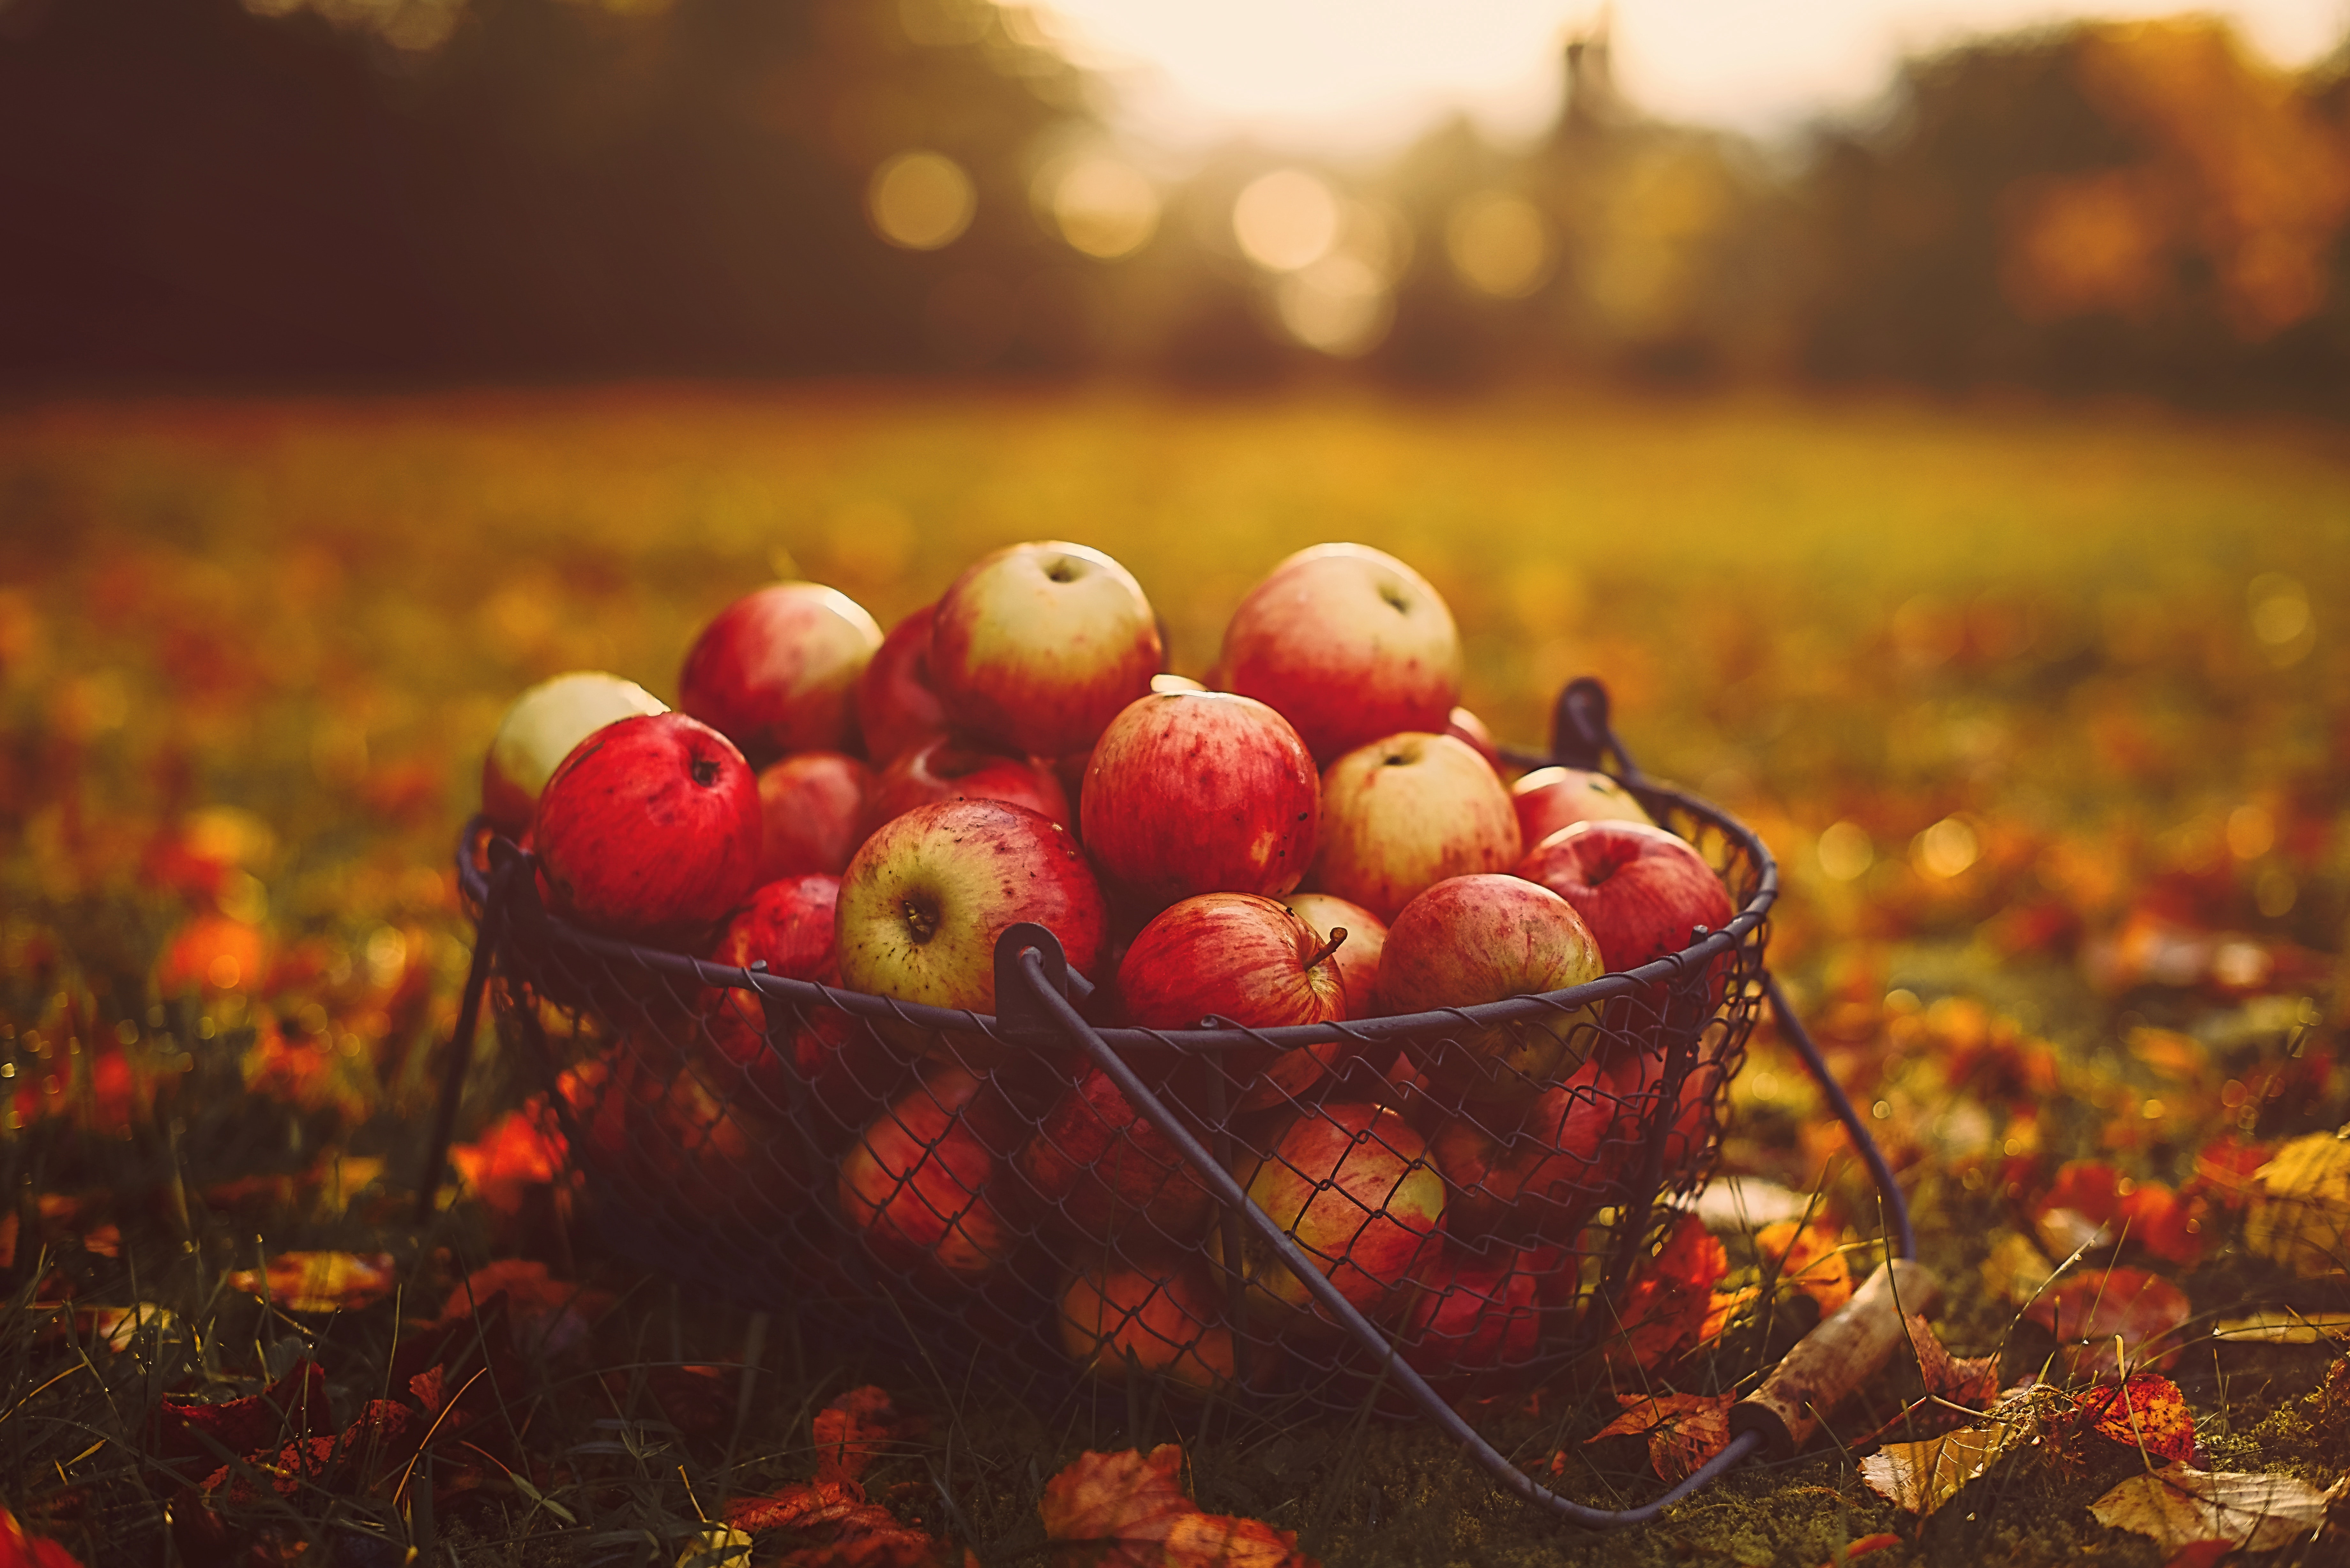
(1471, 939)
(788, 926)
(896, 707)
(1351, 1184)
(925, 1184)
(1403, 813)
(649, 829)
(1465, 726)
(1640, 889)
(1108, 1174)
(1036, 647)
(1473, 1310)
(1166, 1319)
(944, 768)
(1200, 792)
(545, 725)
(1348, 644)
(924, 899)
(1249, 960)
(812, 814)
(775, 670)
(1357, 958)
(1548, 799)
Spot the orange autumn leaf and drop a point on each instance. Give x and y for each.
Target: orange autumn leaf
(21, 1549)
(555, 1316)
(1972, 1382)
(2089, 1311)
(1861, 1548)
(1128, 1510)
(851, 1432)
(2147, 1412)
(1665, 1306)
(1810, 1258)
(212, 952)
(800, 1505)
(1684, 1430)
(1723, 1310)
(319, 1281)
(521, 1150)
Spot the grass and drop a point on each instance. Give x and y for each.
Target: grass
(250, 653)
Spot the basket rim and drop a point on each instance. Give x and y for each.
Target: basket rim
(1396, 1030)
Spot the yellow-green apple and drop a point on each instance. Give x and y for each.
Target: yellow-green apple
(944, 768)
(1107, 1174)
(1473, 1310)
(775, 670)
(1471, 939)
(897, 708)
(543, 726)
(1351, 1185)
(812, 811)
(1166, 1319)
(925, 897)
(1357, 958)
(1643, 893)
(925, 1182)
(1250, 961)
(1463, 725)
(649, 829)
(1348, 644)
(1404, 812)
(1200, 792)
(1548, 799)
(788, 926)
(1036, 647)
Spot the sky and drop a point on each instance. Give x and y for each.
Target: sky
(1365, 77)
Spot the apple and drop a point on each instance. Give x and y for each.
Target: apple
(1116, 1319)
(1036, 647)
(924, 1183)
(788, 925)
(775, 669)
(1471, 939)
(543, 726)
(1167, 682)
(1473, 1310)
(1346, 643)
(1548, 799)
(1111, 1175)
(1352, 1185)
(1250, 961)
(1200, 792)
(682, 1147)
(812, 811)
(649, 829)
(1540, 1171)
(925, 897)
(1463, 725)
(896, 707)
(1357, 958)
(1403, 813)
(1695, 1112)
(943, 768)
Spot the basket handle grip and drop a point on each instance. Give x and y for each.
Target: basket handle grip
(1580, 733)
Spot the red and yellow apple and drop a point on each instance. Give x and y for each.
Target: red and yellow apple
(775, 670)
(1357, 958)
(1107, 1174)
(1548, 799)
(812, 811)
(1165, 1319)
(1463, 725)
(1036, 647)
(925, 1183)
(545, 725)
(1473, 1310)
(944, 768)
(1403, 813)
(897, 708)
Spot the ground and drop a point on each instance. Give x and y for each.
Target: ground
(2045, 712)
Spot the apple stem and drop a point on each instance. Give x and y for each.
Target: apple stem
(1338, 934)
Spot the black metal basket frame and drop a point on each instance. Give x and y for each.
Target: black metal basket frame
(1037, 995)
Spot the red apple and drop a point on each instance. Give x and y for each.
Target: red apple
(775, 669)
(896, 707)
(678, 1144)
(1346, 643)
(925, 1182)
(1695, 1111)
(788, 925)
(1643, 893)
(649, 829)
(1167, 1319)
(1463, 725)
(1403, 813)
(1036, 647)
(1542, 1171)
(1471, 939)
(1357, 958)
(1352, 1185)
(925, 897)
(943, 768)
(811, 808)
(543, 726)
(1251, 963)
(1200, 792)
(1474, 1310)
(1108, 1174)
(1548, 799)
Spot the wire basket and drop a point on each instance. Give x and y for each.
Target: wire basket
(1291, 1214)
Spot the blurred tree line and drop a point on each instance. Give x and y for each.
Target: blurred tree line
(429, 190)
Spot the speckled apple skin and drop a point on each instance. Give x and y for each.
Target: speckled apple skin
(775, 670)
(1405, 812)
(630, 841)
(896, 707)
(1200, 792)
(1348, 644)
(1472, 1311)
(1106, 1173)
(1351, 1184)
(1038, 665)
(923, 1183)
(1242, 958)
(943, 768)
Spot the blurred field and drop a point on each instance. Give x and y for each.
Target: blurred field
(2065, 691)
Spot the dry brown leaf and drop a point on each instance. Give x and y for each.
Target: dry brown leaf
(1973, 1381)
(1922, 1476)
(1684, 1430)
(319, 1281)
(2179, 1506)
(1810, 1258)
(1128, 1510)
(2299, 1209)
(2287, 1327)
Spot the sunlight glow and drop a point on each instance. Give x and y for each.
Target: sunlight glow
(921, 201)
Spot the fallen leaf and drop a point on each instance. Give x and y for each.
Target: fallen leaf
(118, 1328)
(2146, 1413)
(1810, 1258)
(2016, 1269)
(797, 1506)
(718, 1546)
(523, 1149)
(2298, 1212)
(2179, 1506)
(1972, 1382)
(19, 1549)
(2287, 1327)
(1665, 1305)
(1861, 1548)
(191, 1436)
(852, 1431)
(550, 1314)
(1921, 1477)
(1128, 1510)
(2200, 1554)
(319, 1281)
(1725, 1308)
(1684, 1430)
(1220, 1540)
(2089, 1311)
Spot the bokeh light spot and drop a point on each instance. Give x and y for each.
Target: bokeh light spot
(1339, 305)
(1947, 848)
(921, 201)
(1102, 207)
(1498, 245)
(2251, 831)
(1845, 851)
(1286, 221)
(2278, 606)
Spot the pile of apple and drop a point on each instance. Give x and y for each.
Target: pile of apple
(870, 812)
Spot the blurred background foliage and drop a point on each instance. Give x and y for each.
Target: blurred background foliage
(362, 191)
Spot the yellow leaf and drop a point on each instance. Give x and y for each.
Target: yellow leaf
(2016, 1269)
(1922, 1476)
(2286, 1327)
(319, 1281)
(2299, 1213)
(719, 1546)
(2178, 1505)
(1810, 1258)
